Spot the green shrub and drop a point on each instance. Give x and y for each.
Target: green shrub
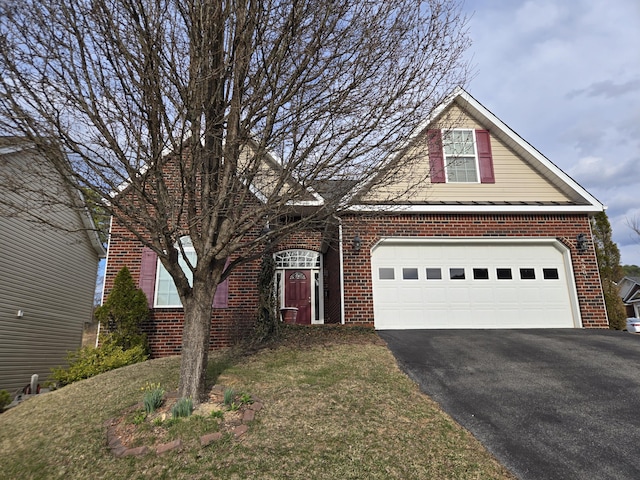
(139, 417)
(124, 311)
(90, 361)
(153, 399)
(229, 396)
(5, 399)
(182, 408)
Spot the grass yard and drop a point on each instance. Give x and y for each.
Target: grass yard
(335, 406)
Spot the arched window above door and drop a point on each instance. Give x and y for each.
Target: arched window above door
(297, 259)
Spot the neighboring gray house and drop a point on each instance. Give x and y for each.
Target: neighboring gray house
(47, 275)
(630, 293)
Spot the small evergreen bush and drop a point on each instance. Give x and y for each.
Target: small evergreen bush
(90, 361)
(124, 311)
(5, 399)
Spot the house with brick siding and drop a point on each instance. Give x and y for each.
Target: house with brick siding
(477, 230)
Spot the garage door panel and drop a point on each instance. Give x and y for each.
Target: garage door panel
(481, 299)
(412, 294)
(434, 294)
(481, 295)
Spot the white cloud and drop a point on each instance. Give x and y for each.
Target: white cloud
(604, 174)
(608, 89)
(539, 16)
(565, 76)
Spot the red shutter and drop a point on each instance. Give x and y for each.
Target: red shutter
(221, 298)
(485, 160)
(436, 156)
(147, 282)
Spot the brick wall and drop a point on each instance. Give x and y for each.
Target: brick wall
(228, 325)
(164, 329)
(357, 265)
(233, 323)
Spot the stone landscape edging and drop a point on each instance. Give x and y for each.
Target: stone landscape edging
(119, 450)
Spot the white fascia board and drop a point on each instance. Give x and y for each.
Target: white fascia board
(319, 201)
(422, 126)
(252, 188)
(306, 203)
(477, 208)
(8, 150)
(258, 194)
(502, 128)
(412, 136)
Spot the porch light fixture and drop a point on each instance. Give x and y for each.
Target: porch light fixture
(266, 233)
(357, 243)
(582, 243)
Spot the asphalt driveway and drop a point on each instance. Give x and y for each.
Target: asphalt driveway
(549, 404)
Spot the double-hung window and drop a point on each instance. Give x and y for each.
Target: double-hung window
(158, 286)
(461, 163)
(166, 292)
(461, 155)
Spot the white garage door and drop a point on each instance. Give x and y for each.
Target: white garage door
(473, 283)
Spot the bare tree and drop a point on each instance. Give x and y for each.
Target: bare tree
(192, 109)
(634, 224)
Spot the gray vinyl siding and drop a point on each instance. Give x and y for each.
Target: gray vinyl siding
(50, 275)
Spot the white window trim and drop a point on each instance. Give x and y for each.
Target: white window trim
(160, 268)
(475, 154)
(316, 269)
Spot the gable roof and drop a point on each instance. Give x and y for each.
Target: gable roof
(630, 289)
(577, 198)
(308, 196)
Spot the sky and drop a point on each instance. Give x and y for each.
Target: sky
(565, 76)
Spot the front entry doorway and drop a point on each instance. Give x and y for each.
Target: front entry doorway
(299, 284)
(297, 294)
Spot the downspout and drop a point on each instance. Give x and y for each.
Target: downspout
(341, 257)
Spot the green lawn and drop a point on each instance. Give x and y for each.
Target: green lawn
(335, 406)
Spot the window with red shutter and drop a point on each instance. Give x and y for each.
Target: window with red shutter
(436, 158)
(147, 281)
(485, 160)
(465, 155)
(158, 285)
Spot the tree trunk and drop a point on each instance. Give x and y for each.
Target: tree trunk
(195, 343)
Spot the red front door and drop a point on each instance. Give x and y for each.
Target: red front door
(297, 293)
